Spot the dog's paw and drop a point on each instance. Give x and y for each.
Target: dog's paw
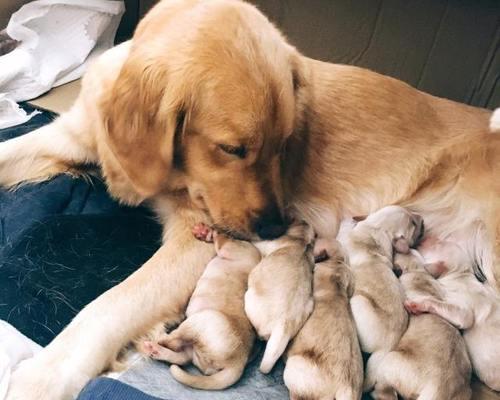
(150, 349)
(203, 232)
(415, 308)
(34, 380)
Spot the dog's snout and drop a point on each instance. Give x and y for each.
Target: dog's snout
(270, 224)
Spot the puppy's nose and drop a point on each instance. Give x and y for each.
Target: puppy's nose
(270, 224)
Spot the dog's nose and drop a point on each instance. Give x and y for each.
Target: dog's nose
(270, 224)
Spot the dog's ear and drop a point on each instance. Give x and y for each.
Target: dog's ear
(142, 113)
(345, 277)
(401, 245)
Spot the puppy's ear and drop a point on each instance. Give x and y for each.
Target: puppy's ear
(401, 245)
(346, 278)
(142, 113)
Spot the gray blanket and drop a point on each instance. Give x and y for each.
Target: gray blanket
(154, 378)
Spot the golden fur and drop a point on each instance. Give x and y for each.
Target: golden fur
(321, 141)
(217, 337)
(324, 359)
(430, 361)
(279, 298)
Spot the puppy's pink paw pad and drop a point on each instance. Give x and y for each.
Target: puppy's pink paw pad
(203, 232)
(413, 308)
(150, 349)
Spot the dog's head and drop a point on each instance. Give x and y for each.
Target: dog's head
(404, 228)
(205, 103)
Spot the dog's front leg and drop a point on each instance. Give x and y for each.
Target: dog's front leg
(158, 291)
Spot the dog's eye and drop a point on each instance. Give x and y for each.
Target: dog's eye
(238, 151)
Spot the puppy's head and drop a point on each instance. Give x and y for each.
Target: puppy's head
(205, 104)
(408, 262)
(404, 228)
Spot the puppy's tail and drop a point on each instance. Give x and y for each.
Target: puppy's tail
(275, 347)
(495, 121)
(218, 381)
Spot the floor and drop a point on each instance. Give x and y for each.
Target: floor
(61, 98)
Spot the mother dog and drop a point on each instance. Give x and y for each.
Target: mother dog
(210, 115)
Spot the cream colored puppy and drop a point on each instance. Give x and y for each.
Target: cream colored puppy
(377, 304)
(216, 336)
(279, 297)
(324, 360)
(430, 361)
(467, 304)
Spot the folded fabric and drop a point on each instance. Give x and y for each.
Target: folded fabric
(57, 39)
(14, 348)
(11, 114)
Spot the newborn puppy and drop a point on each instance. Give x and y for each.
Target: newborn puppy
(377, 304)
(324, 360)
(279, 296)
(466, 303)
(216, 336)
(430, 361)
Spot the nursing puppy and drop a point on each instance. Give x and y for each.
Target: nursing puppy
(216, 336)
(430, 361)
(377, 304)
(279, 296)
(324, 360)
(467, 304)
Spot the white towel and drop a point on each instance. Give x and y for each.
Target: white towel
(58, 39)
(14, 348)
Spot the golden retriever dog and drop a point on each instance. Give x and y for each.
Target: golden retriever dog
(209, 95)
(324, 360)
(430, 362)
(217, 337)
(279, 298)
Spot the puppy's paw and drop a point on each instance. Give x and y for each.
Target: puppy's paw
(150, 349)
(415, 308)
(203, 232)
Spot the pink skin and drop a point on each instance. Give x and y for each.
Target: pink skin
(437, 269)
(415, 308)
(428, 242)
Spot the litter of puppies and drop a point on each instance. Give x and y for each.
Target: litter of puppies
(408, 300)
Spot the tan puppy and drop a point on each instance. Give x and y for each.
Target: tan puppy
(430, 361)
(466, 303)
(377, 303)
(324, 360)
(216, 336)
(279, 297)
